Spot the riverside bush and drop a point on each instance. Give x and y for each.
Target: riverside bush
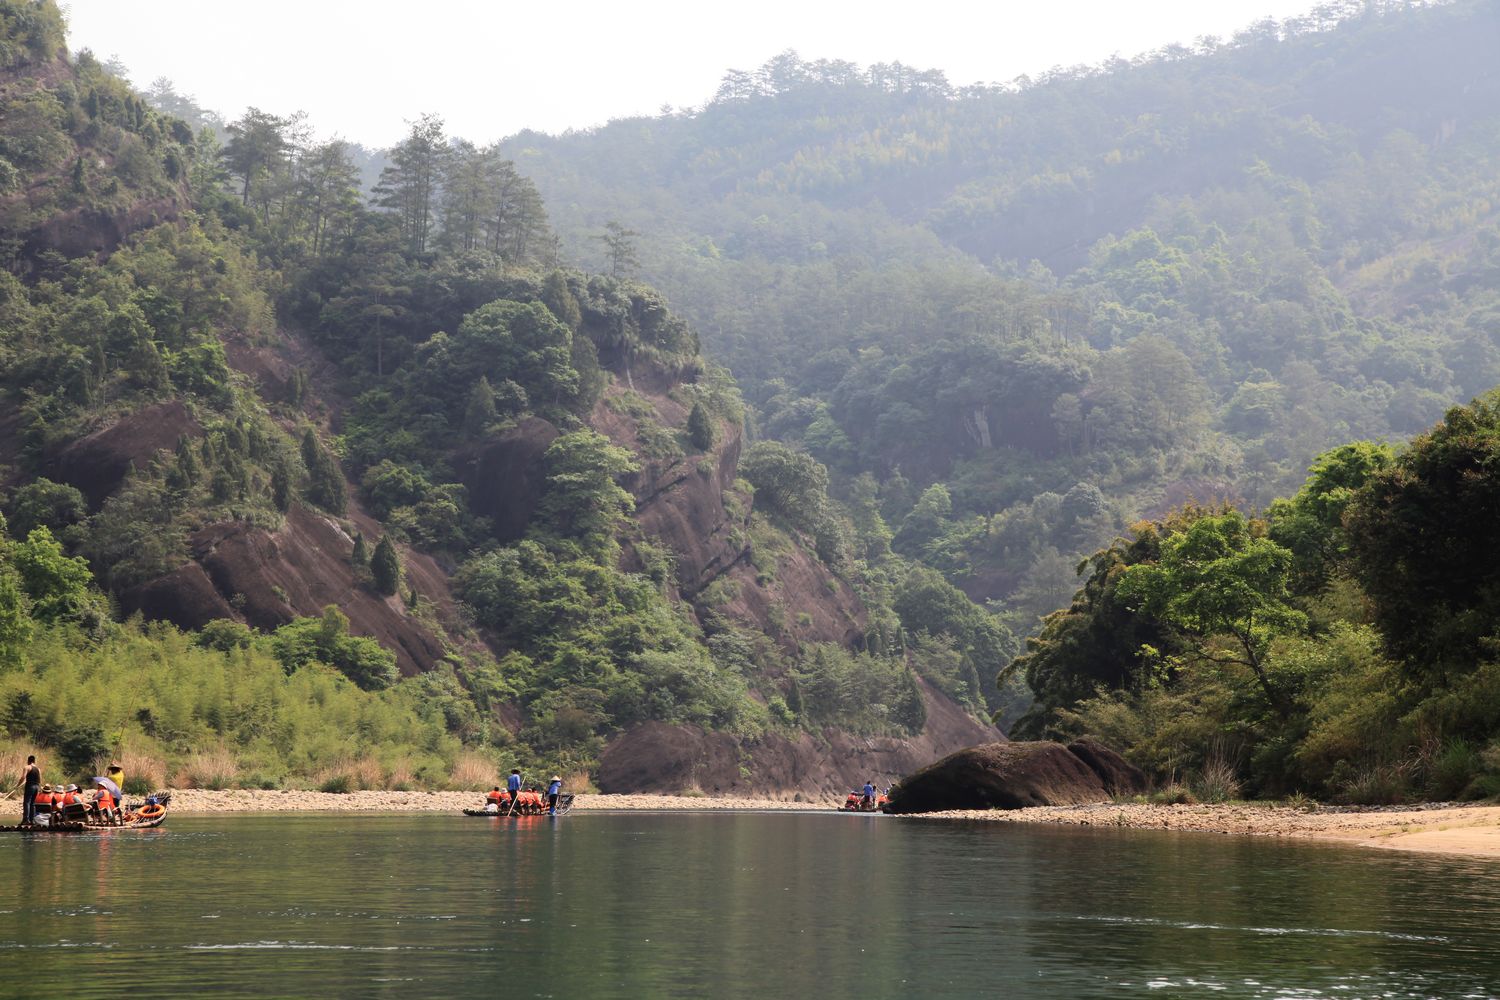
(210, 714)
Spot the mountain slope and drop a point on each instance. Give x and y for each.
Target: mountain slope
(495, 499)
(1180, 276)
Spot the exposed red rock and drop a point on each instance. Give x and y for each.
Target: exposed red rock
(658, 757)
(1120, 777)
(266, 579)
(99, 462)
(92, 232)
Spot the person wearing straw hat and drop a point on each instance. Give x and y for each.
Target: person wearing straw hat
(552, 793)
(116, 773)
(42, 807)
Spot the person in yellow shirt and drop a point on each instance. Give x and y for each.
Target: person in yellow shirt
(116, 773)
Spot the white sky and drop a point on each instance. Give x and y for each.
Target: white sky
(361, 69)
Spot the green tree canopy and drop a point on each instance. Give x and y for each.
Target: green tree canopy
(1224, 587)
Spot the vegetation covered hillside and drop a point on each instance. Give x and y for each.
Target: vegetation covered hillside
(1343, 644)
(278, 459)
(1033, 312)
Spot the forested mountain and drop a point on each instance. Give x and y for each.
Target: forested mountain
(304, 488)
(1034, 312)
(333, 467)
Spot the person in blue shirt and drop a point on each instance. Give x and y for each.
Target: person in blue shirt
(552, 793)
(513, 786)
(869, 799)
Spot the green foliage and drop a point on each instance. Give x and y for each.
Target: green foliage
(58, 587)
(858, 691)
(1215, 578)
(582, 500)
(700, 427)
(794, 485)
(156, 691)
(42, 503)
(1422, 535)
(385, 567)
(327, 640)
(933, 607)
(1311, 523)
(325, 479)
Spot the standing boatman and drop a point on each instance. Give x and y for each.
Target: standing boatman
(31, 784)
(513, 786)
(869, 798)
(116, 773)
(552, 793)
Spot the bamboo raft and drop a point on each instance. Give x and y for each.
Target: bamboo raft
(138, 816)
(564, 806)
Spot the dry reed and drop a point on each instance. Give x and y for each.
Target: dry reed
(473, 772)
(214, 769)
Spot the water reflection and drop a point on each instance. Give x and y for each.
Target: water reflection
(631, 905)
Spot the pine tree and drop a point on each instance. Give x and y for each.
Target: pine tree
(386, 567)
(480, 413)
(700, 427)
(325, 480)
(559, 298)
(619, 245)
(281, 489)
(361, 554)
(187, 460)
(409, 186)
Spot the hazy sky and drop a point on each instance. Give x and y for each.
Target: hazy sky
(360, 69)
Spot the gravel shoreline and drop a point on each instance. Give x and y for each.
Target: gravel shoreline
(1444, 828)
(1438, 828)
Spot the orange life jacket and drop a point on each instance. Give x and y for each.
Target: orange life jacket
(104, 800)
(69, 798)
(44, 798)
(496, 797)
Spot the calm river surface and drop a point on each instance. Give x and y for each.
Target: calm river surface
(732, 905)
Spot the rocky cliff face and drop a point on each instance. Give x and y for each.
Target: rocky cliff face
(249, 574)
(689, 505)
(656, 757)
(267, 578)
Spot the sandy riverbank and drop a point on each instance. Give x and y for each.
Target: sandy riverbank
(1441, 828)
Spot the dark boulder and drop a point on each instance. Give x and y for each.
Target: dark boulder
(505, 476)
(1001, 776)
(1120, 777)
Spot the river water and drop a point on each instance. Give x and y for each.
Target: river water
(732, 905)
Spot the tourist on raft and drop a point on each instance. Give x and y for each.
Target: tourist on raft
(42, 807)
(496, 798)
(553, 790)
(69, 805)
(103, 806)
(31, 786)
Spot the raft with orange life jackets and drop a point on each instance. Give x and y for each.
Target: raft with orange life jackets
(68, 813)
(856, 802)
(529, 802)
